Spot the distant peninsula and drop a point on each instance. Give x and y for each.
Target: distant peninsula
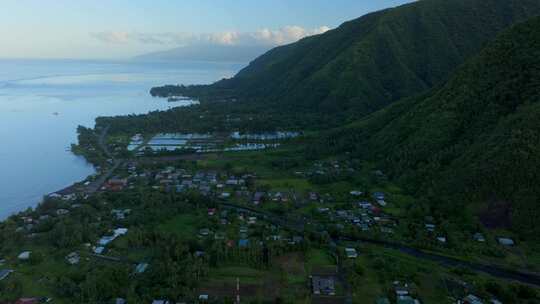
(214, 53)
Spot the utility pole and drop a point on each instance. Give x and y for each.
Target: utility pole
(237, 290)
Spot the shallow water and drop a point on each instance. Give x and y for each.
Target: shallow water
(42, 103)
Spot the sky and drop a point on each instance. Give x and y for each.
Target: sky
(117, 29)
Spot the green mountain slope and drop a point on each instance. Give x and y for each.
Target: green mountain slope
(367, 63)
(474, 140)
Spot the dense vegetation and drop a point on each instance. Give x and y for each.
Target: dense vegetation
(365, 64)
(476, 139)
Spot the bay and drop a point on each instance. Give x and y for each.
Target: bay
(43, 101)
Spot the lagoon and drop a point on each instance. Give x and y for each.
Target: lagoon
(43, 101)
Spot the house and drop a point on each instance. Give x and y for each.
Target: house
(232, 182)
(55, 195)
(472, 299)
(141, 267)
(24, 256)
(506, 241)
(441, 239)
(365, 205)
(69, 197)
(225, 195)
(297, 239)
(160, 302)
(120, 214)
(104, 241)
(351, 253)
(401, 292)
(379, 196)
(180, 188)
(405, 300)
(120, 301)
(116, 184)
(479, 237)
(341, 213)
(323, 285)
(430, 227)
(204, 298)
(62, 212)
(204, 232)
(73, 258)
(313, 196)
(4, 273)
(375, 210)
(258, 197)
(99, 249)
(356, 193)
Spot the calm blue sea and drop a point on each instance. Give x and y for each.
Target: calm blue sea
(34, 159)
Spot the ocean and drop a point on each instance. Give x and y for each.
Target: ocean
(43, 101)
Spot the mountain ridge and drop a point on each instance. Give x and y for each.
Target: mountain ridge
(370, 62)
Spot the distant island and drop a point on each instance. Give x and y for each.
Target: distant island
(201, 52)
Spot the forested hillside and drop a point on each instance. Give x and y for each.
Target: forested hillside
(473, 143)
(367, 63)
(471, 138)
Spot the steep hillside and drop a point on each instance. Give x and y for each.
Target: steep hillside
(474, 140)
(367, 63)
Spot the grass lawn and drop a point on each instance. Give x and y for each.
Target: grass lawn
(286, 279)
(35, 279)
(183, 225)
(318, 259)
(366, 288)
(284, 184)
(246, 274)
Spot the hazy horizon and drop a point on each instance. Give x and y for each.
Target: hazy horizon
(122, 30)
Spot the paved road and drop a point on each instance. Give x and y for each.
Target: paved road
(101, 142)
(496, 271)
(96, 185)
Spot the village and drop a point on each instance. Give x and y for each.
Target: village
(312, 232)
(261, 221)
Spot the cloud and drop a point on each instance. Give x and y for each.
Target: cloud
(285, 35)
(112, 37)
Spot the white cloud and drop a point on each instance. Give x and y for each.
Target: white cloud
(112, 37)
(287, 34)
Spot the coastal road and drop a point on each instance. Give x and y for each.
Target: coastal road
(98, 183)
(101, 142)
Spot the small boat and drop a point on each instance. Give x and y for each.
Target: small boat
(56, 113)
